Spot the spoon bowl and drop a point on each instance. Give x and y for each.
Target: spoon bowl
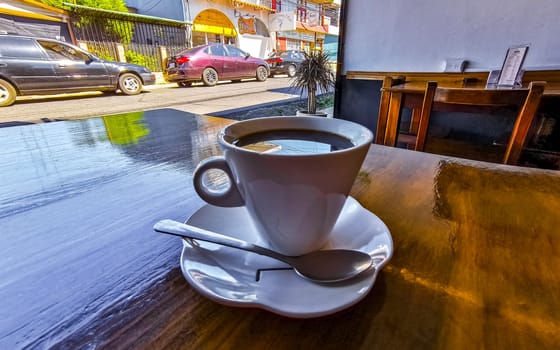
(324, 266)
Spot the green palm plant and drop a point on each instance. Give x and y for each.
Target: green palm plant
(312, 75)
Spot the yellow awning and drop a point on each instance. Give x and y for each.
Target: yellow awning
(19, 12)
(39, 5)
(213, 21)
(208, 28)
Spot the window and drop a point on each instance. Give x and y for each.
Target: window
(235, 52)
(58, 51)
(284, 54)
(218, 50)
(293, 44)
(19, 48)
(193, 50)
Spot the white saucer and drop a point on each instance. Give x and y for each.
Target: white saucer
(238, 278)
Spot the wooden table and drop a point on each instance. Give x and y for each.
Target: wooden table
(410, 95)
(475, 263)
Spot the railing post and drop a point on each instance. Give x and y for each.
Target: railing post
(164, 54)
(83, 45)
(120, 53)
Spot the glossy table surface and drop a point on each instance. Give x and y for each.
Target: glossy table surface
(475, 261)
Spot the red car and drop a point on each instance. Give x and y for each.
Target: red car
(212, 63)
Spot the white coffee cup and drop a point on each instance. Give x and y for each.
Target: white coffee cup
(293, 199)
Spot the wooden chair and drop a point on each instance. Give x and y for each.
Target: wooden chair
(526, 100)
(382, 116)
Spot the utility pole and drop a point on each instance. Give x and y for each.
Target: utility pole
(187, 20)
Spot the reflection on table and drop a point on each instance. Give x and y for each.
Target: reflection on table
(474, 265)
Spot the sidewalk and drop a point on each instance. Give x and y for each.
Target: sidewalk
(283, 107)
(160, 82)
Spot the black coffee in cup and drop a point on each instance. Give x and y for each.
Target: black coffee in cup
(293, 142)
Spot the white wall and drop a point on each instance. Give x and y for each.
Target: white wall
(418, 35)
(256, 45)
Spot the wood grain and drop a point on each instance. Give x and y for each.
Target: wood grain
(475, 261)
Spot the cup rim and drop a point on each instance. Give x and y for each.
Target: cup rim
(360, 135)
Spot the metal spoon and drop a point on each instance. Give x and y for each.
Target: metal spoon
(319, 266)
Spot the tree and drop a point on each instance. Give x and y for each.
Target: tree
(114, 5)
(313, 73)
(105, 29)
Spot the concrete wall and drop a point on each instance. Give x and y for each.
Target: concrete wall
(408, 36)
(172, 9)
(405, 35)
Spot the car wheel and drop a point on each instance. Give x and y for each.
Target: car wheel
(7, 93)
(291, 70)
(130, 84)
(262, 73)
(184, 83)
(210, 77)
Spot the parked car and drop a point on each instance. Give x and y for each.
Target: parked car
(212, 63)
(37, 66)
(285, 62)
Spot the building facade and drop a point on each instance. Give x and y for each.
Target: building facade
(255, 26)
(34, 18)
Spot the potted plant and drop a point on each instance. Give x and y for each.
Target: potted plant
(312, 75)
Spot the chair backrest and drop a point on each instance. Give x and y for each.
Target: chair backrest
(518, 138)
(527, 101)
(388, 81)
(481, 97)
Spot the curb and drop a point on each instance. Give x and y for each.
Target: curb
(243, 110)
(229, 113)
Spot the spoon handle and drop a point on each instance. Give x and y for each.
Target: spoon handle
(185, 230)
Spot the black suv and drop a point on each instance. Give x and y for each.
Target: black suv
(36, 66)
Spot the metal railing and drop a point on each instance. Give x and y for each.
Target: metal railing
(142, 42)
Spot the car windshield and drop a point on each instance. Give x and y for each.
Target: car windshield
(191, 51)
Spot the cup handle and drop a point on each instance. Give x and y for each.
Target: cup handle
(229, 198)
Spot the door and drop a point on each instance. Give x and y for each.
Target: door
(75, 68)
(244, 67)
(220, 61)
(23, 62)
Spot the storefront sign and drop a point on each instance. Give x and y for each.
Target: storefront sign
(297, 35)
(313, 18)
(247, 25)
(282, 21)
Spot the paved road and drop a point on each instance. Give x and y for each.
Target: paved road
(197, 99)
